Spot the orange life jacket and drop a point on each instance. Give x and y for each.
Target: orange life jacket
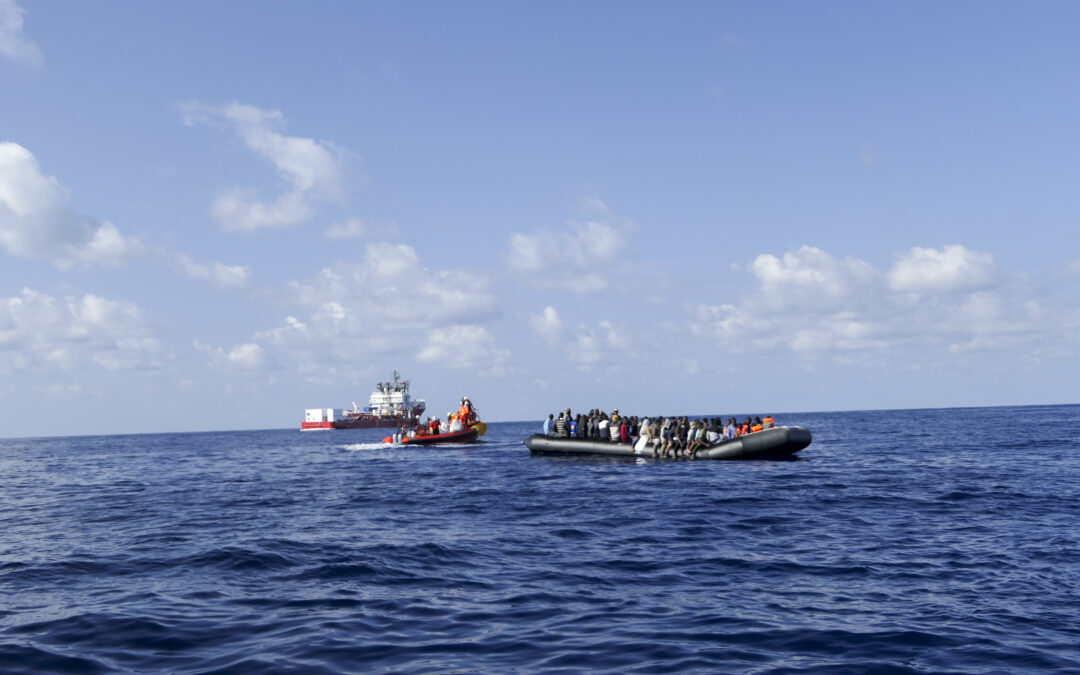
(463, 414)
(768, 421)
(756, 427)
(744, 429)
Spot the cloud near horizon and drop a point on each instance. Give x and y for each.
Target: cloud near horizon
(41, 332)
(388, 303)
(932, 304)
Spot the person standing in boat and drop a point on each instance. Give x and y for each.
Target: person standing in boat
(466, 413)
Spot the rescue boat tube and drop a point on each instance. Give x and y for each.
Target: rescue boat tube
(464, 436)
(765, 444)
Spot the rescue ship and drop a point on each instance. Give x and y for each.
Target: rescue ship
(390, 406)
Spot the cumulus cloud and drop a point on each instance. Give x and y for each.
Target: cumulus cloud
(949, 269)
(931, 301)
(547, 325)
(13, 44)
(38, 331)
(36, 223)
(578, 258)
(392, 286)
(464, 346)
(357, 228)
(811, 275)
(313, 170)
(388, 303)
(247, 357)
(587, 344)
(592, 345)
(353, 228)
(225, 276)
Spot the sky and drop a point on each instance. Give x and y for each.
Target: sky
(215, 215)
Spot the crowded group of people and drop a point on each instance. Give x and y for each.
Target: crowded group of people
(665, 436)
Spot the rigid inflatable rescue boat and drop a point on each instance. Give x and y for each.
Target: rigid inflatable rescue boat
(468, 435)
(765, 444)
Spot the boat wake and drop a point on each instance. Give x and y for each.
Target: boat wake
(364, 446)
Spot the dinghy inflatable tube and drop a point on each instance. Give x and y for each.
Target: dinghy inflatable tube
(765, 444)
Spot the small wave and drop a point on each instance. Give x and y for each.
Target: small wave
(233, 558)
(24, 659)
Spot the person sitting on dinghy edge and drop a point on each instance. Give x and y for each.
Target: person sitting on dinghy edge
(560, 425)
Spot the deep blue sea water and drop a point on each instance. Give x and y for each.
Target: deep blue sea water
(943, 541)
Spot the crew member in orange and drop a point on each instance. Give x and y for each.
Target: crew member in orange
(465, 412)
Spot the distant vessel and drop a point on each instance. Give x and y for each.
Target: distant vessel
(390, 405)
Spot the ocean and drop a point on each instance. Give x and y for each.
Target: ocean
(913, 541)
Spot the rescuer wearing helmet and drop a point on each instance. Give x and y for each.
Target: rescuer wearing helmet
(465, 412)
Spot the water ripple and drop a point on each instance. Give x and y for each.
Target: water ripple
(887, 548)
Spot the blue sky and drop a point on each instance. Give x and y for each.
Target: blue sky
(214, 215)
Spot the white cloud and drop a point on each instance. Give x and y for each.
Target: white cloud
(464, 346)
(809, 303)
(547, 325)
(36, 223)
(40, 331)
(312, 169)
(810, 275)
(247, 357)
(359, 228)
(226, 276)
(587, 345)
(577, 259)
(389, 303)
(606, 342)
(13, 45)
(950, 269)
(353, 228)
(1071, 270)
(392, 286)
